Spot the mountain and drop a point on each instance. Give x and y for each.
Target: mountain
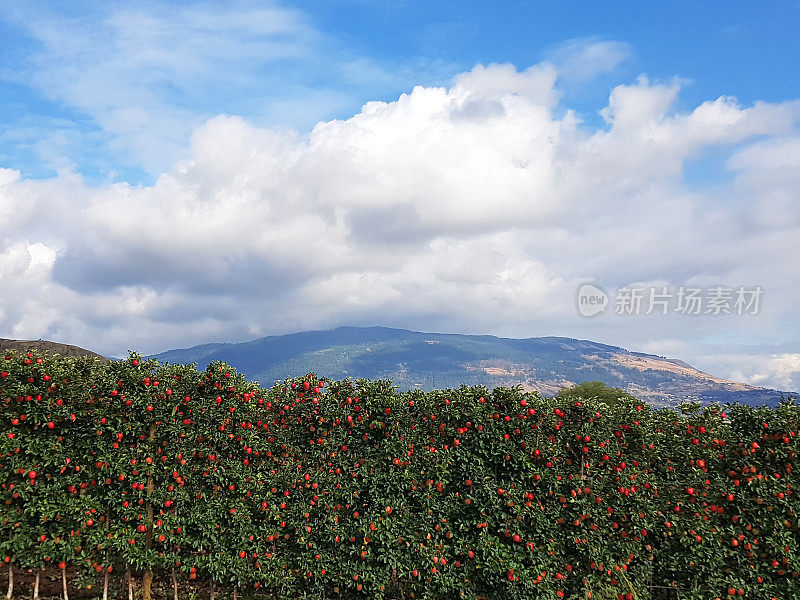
(49, 347)
(413, 359)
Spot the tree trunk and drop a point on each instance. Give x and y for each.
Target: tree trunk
(64, 583)
(174, 585)
(105, 584)
(213, 591)
(235, 593)
(10, 582)
(147, 580)
(130, 583)
(36, 586)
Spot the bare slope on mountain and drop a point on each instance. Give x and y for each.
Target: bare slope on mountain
(49, 347)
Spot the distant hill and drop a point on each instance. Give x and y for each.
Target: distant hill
(434, 360)
(49, 347)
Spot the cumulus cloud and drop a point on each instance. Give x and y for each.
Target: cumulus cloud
(478, 207)
(781, 371)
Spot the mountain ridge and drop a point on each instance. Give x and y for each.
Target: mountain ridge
(7, 344)
(424, 360)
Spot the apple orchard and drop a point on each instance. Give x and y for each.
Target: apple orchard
(142, 474)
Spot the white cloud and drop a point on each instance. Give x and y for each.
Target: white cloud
(778, 371)
(582, 59)
(478, 207)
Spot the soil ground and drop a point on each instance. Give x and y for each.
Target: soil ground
(50, 586)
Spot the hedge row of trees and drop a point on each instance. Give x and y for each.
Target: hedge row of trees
(322, 489)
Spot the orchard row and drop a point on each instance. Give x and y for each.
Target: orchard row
(317, 488)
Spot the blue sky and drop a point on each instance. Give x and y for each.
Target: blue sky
(174, 173)
(719, 47)
(744, 49)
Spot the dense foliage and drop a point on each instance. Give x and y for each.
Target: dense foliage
(325, 489)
